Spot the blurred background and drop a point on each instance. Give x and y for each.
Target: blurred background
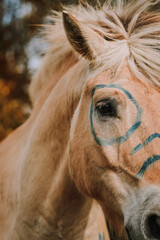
(21, 49)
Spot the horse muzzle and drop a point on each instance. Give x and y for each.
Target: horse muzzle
(142, 215)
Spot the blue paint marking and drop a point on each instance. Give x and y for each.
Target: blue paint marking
(125, 137)
(147, 164)
(150, 160)
(131, 130)
(100, 236)
(147, 141)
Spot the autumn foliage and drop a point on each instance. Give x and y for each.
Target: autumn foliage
(18, 20)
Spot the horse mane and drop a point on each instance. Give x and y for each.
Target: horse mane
(133, 26)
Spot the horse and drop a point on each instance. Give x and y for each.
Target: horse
(91, 144)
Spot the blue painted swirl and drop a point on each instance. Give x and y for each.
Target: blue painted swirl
(129, 132)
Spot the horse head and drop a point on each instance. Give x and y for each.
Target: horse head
(115, 133)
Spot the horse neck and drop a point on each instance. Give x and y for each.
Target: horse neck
(44, 173)
(51, 71)
(69, 216)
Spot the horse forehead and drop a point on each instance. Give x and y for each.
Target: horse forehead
(124, 81)
(106, 76)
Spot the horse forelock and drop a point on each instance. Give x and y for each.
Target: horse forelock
(133, 28)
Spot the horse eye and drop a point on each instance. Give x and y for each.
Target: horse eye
(106, 108)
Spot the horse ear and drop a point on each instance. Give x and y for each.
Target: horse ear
(83, 39)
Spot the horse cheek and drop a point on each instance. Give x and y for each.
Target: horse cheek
(76, 165)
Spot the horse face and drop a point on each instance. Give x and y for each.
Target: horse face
(114, 144)
(114, 151)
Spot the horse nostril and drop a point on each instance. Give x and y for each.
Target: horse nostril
(153, 226)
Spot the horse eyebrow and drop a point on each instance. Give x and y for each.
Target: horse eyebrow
(147, 164)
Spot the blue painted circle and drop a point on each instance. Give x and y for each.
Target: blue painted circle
(131, 130)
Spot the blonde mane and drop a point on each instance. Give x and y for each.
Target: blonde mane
(132, 27)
